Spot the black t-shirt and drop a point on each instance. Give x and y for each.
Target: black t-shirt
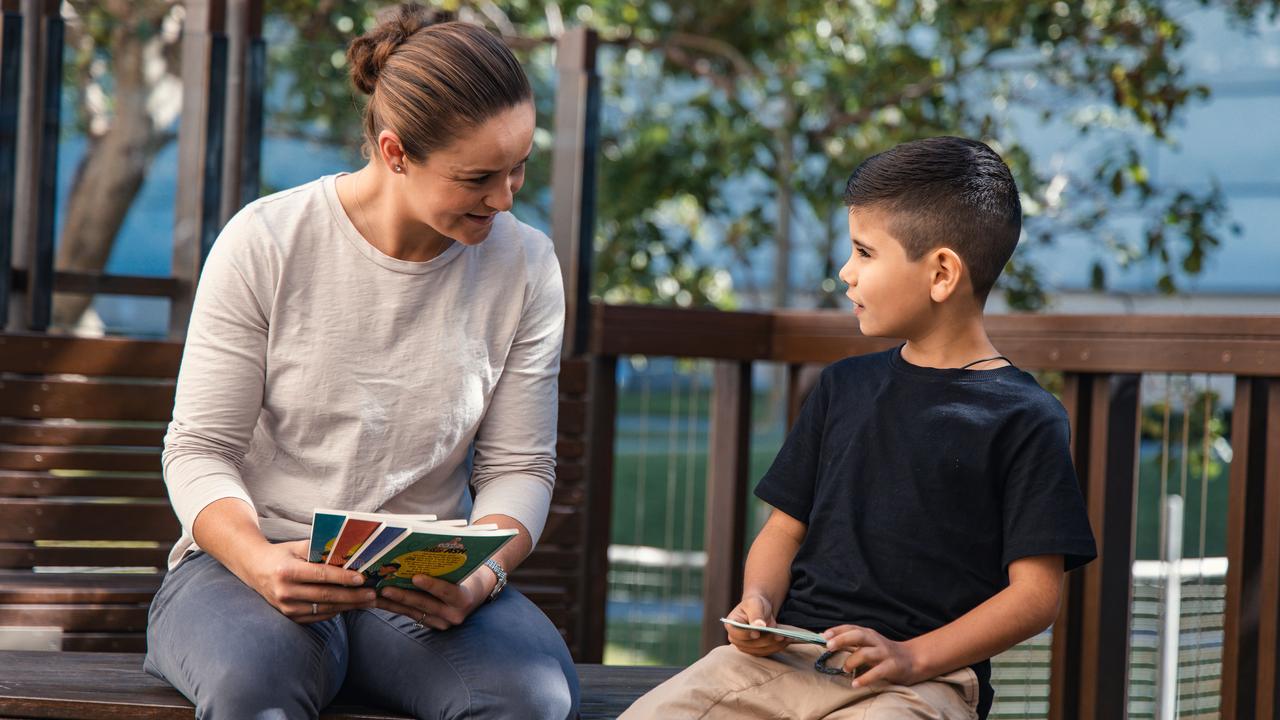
(919, 486)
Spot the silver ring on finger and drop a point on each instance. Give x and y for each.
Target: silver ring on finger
(315, 609)
(420, 621)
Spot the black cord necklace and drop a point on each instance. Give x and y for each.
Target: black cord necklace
(979, 362)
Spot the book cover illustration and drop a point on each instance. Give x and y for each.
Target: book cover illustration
(325, 525)
(350, 539)
(450, 554)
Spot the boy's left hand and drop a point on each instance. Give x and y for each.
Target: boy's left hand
(436, 603)
(893, 662)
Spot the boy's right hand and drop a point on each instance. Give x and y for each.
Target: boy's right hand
(755, 610)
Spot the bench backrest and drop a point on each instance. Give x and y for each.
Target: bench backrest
(81, 426)
(82, 422)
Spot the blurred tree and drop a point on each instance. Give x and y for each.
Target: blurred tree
(122, 65)
(728, 123)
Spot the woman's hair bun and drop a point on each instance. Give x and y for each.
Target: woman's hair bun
(369, 53)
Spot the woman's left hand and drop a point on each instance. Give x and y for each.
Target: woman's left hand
(436, 604)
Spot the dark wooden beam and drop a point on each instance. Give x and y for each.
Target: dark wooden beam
(88, 283)
(1246, 497)
(245, 71)
(573, 177)
(10, 81)
(1246, 346)
(40, 294)
(1268, 703)
(36, 159)
(728, 465)
(1108, 588)
(602, 397)
(1064, 654)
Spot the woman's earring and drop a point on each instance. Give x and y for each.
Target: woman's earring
(398, 169)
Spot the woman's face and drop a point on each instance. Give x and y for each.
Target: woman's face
(458, 189)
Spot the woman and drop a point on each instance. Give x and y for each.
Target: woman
(383, 340)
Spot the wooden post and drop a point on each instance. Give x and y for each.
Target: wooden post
(1245, 503)
(10, 80)
(1090, 652)
(728, 465)
(200, 155)
(1268, 693)
(573, 177)
(602, 410)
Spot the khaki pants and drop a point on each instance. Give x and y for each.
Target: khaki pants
(729, 683)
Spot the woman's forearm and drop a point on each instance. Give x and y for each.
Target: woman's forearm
(228, 530)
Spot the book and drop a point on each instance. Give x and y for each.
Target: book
(329, 528)
(448, 552)
(389, 549)
(796, 634)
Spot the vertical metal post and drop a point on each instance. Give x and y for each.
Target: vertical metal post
(1171, 628)
(200, 156)
(573, 177)
(10, 68)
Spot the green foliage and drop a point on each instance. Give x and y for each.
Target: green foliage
(714, 107)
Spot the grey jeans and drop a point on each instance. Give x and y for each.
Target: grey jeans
(233, 655)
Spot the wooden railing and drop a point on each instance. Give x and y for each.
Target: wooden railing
(1102, 359)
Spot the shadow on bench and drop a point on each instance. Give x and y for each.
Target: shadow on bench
(107, 686)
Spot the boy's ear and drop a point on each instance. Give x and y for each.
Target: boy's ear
(946, 274)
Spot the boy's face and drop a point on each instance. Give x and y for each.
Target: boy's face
(890, 292)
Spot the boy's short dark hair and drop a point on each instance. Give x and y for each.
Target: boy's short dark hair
(945, 192)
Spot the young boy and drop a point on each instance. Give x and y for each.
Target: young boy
(925, 507)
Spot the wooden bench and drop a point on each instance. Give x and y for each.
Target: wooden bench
(108, 686)
(85, 524)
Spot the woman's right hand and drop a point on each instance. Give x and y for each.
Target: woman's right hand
(755, 610)
(307, 592)
(304, 592)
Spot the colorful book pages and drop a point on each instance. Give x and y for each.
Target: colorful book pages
(350, 539)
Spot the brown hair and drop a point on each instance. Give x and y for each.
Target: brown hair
(428, 80)
(945, 192)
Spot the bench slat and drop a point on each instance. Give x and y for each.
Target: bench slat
(27, 587)
(73, 618)
(26, 457)
(85, 432)
(39, 353)
(86, 400)
(28, 519)
(105, 642)
(27, 483)
(28, 555)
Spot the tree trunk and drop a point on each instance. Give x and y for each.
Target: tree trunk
(114, 165)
